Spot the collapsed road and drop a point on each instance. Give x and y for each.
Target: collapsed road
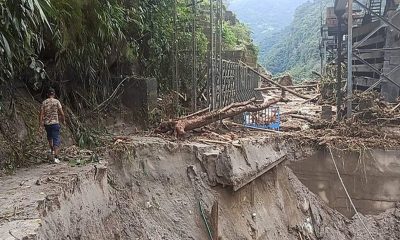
(149, 188)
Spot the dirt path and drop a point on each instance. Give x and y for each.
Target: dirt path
(25, 193)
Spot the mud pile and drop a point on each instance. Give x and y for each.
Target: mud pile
(155, 189)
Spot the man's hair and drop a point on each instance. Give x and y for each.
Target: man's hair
(51, 91)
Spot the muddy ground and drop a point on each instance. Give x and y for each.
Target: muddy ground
(160, 187)
(150, 188)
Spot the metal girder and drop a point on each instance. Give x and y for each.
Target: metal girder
(377, 49)
(340, 6)
(378, 16)
(376, 70)
(374, 85)
(369, 35)
(380, 80)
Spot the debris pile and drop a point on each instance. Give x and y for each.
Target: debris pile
(370, 107)
(203, 118)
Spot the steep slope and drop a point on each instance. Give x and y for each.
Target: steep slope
(265, 18)
(297, 48)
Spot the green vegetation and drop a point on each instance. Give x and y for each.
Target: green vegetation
(91, 43)
(266, 19)
(237, 37)
(85, 48)
(286, 31)
(297, 50)
(21, 27)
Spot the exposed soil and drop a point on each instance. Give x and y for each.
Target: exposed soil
(148, 188)
(157, 187)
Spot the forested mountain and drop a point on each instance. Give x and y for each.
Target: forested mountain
(266, 19)
(265, 16)
(297, 49)
(286, 31)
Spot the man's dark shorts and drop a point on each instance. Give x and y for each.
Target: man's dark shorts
(53, 133)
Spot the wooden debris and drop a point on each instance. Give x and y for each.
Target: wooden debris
(291, 87)
(290, 112)
(277, 84)
(218, 135)
(198, 113)
(395, 108)
(311, 99)
(182, 125)
(302, 117)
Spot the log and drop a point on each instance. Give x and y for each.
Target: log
(198, 113)
(181, 126)
(291, 87)
(290, 112)
(311, 99)
(308, 119)
(276, 84)
(396, 107)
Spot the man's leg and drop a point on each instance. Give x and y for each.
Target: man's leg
(56, 151)
(56, 141)
(51, 145)
(49, 132)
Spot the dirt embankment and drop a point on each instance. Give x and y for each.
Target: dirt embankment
(21, 144)
(154, 189)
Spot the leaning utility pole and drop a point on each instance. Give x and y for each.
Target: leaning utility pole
(350, 60)
(339, 66)
(212, 57)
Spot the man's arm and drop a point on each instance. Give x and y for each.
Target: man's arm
(62, 115)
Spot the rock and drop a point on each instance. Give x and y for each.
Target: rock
(148, 205)
(38, 182)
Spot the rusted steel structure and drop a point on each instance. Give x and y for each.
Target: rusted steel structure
(375, 54)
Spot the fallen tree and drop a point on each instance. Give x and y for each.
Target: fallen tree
(290, 87)
(182, 125)
(266, 78)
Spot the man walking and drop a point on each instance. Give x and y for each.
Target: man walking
(49, 119)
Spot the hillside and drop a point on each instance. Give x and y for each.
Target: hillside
(297, 49)
(87, 51)
(287, 32)
(266, 19)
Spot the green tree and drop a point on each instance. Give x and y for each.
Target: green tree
(297, 50)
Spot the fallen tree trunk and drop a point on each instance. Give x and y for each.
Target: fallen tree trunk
(276, 84)
(311, 99)
(180, 126)
(291, 87)
(308, 119)
(197, 113)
